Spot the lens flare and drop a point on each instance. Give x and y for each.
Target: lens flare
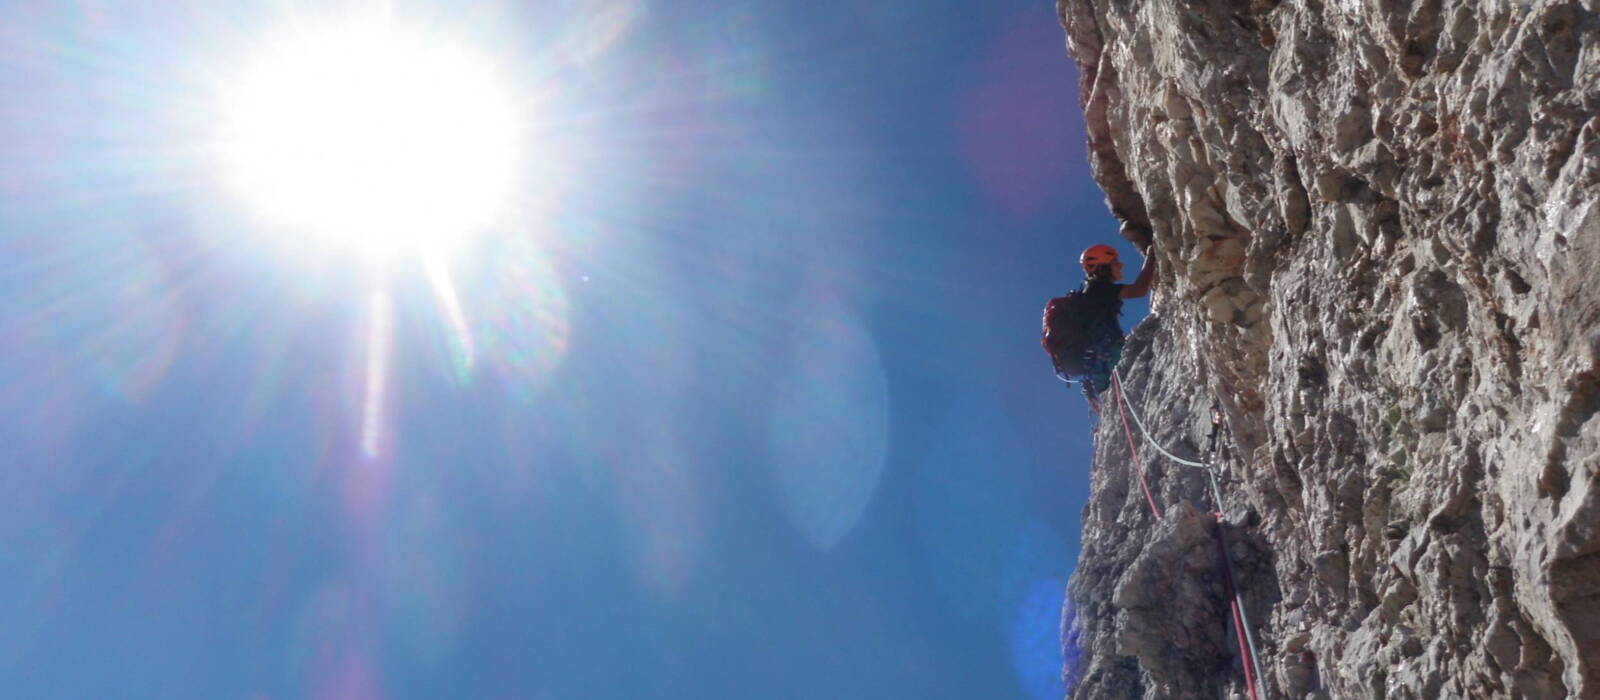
(114, 317)
(521, 313)
(967, 509)
(1019, 134)
(463, 351)
(1036, 655)
(328, 655)
(380, 329)
(659, 501)
(426, 587)
(604, 23)
(1071, 650)
(829, 430)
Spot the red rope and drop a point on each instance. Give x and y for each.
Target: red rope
(1245, 660)
(1132, 449)
(1244, 654)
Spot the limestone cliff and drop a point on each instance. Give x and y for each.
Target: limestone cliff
(1378, 225)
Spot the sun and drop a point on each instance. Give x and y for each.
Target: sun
(370, 139)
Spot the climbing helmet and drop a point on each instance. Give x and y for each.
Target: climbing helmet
(1095, 256)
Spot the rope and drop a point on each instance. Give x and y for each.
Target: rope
(1244, 662)
(1133, 449)
(1247, 646)
(1241, 622)
(1146, 433)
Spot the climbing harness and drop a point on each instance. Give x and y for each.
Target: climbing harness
(1250, 659)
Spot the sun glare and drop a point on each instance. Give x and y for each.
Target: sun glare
(370, 139)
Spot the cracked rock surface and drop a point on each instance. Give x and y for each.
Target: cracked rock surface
(1378, 225)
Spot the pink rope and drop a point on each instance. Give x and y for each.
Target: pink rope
(1132, 449)
(1245, 660)
(1244, 652)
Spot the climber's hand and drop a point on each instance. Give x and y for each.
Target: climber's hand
(1137, 235)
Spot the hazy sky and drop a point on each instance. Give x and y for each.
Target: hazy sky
(744, 401)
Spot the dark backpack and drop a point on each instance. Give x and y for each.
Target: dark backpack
(1066, 334)
(1071, 323)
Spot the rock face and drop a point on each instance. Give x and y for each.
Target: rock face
(1378, 225)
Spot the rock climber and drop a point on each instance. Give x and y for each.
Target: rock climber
(1082, 331)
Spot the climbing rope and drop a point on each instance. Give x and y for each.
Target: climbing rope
(1242, 626)
(1246, 661)
(1249, 658)
(1117, 383)
(1115, 379)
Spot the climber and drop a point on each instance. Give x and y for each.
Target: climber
(1082, 333)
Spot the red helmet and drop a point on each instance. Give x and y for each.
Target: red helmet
(1096, 255)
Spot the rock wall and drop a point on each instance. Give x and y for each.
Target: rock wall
(1378, 225)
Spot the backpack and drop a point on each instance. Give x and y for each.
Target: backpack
(1069, 327)
(1065, 334)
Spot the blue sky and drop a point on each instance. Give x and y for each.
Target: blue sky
(748, 402)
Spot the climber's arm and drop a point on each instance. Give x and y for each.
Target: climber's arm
(1147, 276)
